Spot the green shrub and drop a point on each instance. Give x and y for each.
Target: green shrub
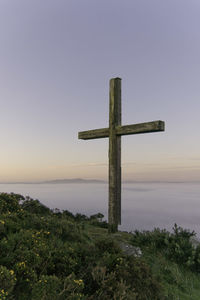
(176, 246)
(7, 282)
(68, 214)
(79, 217)
(34, 206)
(106, 245)
(55, 255)
(46, 288)
(10, 202)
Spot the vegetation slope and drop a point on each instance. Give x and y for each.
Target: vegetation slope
(48, 254)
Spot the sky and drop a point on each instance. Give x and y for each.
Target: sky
(56, 60)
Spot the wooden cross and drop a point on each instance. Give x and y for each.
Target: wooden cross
(114, 133)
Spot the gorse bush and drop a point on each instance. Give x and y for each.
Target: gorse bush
(10, 202)
(52, 254)
(7, 282)
(34, 206)
(176, 246)
(173, 259)
(49, 254)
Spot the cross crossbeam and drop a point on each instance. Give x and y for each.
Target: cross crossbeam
(114, 133)
(123, 130)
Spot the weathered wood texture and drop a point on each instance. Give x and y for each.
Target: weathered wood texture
(123, 130)
(114, 207)
(114, 132)
(94, 134)
(141, 128)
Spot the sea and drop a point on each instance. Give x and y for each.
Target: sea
(145, 206)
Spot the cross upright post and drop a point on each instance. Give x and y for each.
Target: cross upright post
(114, 207)
(114, 133)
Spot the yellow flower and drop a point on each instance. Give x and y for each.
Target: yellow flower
(11, 272)
(22, 264)
(2, 222)
(79, 282)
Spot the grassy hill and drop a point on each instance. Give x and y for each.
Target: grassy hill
(48, 254)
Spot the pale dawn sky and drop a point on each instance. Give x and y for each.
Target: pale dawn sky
(56, 59)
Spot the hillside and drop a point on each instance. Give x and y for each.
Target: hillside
(48, 254)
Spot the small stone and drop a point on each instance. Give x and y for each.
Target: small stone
(130, 250)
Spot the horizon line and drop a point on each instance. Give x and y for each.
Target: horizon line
(90, 180)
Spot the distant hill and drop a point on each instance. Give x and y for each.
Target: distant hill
(73, 180)
(57, 181)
